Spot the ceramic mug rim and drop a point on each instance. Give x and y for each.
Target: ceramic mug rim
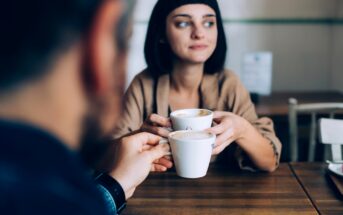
(209, 113)
(212, 136)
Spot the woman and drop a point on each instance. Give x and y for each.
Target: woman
(185, 51)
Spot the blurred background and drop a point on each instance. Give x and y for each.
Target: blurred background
(304, 36)
(304, 42)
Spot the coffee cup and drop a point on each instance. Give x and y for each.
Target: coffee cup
(191, 151)
(191, 119)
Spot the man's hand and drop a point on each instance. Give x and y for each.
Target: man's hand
(135, 157)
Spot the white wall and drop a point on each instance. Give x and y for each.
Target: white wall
(306, 56)
(302, 55)
(277, 8)
(337, 58)
(340, 9)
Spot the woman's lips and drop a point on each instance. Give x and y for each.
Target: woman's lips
(198, 47)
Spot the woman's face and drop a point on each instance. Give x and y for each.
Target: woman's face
(192, 32)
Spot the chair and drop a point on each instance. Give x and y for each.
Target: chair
(331, 132)
(313, 109)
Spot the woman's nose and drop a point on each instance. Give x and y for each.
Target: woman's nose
(198, 32)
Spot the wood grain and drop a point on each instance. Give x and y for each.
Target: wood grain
(338, 181)
(316, 182)
(222, 191)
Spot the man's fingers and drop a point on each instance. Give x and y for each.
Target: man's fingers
(164, 162)
(145, 138)
(168, 157)
(158, 152)
(158, 168)
(146, 147)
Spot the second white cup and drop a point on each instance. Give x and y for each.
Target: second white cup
(191, 119)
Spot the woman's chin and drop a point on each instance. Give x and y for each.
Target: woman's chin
(198, 60)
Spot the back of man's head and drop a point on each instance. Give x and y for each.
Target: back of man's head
(35, 31)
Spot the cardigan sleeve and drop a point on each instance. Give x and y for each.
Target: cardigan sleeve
(240, 103)
(131, 117)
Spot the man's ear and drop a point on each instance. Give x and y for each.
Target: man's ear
(102, 48)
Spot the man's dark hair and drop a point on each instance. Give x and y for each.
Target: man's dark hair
(35, 31)
(159, 56)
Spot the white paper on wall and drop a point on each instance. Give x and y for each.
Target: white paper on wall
(257, 72)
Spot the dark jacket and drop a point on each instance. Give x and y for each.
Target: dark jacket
(39, 175)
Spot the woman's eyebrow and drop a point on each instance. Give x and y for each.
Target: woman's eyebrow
(189, 16)
(182, 15)
(209, 15)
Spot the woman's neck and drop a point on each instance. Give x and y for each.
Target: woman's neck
(186, 78)
(184, 86)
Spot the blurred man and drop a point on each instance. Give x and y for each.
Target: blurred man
(61, 78)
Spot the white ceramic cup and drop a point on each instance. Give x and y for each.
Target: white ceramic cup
(191, 151)
(191, 119)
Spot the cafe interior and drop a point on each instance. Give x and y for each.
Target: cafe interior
(280, 50)
(289, 55)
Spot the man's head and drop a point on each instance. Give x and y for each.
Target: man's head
(38, 36)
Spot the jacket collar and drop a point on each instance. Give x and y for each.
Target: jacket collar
(208, 89)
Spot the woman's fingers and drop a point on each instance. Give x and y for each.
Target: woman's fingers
(219, 148)
(157, 124)
(163, 132)
(219, 128)
(226, 135)
(223, 140)
(157, 120)
(220, 114)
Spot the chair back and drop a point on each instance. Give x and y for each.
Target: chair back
(313, 109)
(331, 132)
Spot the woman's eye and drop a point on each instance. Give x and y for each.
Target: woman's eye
(209, 24)
(182, 24)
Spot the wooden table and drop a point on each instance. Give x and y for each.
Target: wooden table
(313, 177)
(221, 191)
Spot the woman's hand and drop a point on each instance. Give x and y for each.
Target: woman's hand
(157, 124)
(230, 127)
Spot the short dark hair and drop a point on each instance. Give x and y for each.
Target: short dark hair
(159, 56)
(34, 32)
